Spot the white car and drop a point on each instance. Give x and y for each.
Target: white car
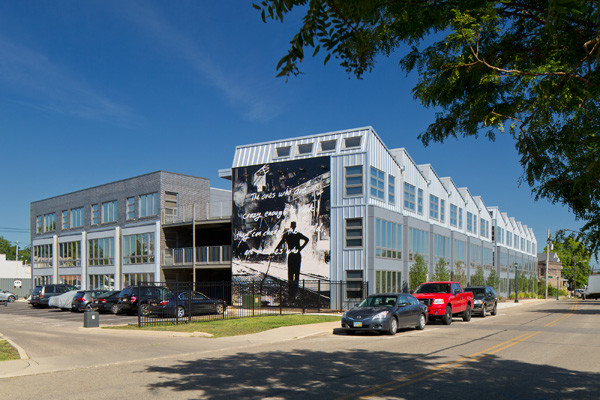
(5, 295)
(62, 301)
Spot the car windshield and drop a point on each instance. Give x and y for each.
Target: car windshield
(378, 301)
(476, 291)
(433, 288)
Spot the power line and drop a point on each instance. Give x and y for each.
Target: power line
(13, 230)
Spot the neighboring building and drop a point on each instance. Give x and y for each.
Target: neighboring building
(14, 276)
(142, 229)
(341, 206)
(554, 270)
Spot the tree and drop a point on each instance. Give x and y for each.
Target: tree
(478, 278)
(11, 251)
(493, 279)
(575, 260)
(440, 272)
(459, 273)
(418, 272)
(527, 65)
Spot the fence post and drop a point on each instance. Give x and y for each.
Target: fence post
(280, 298)
(319, 296)
(303, 297)
(189, 303)
(138, 308)
(253, 298)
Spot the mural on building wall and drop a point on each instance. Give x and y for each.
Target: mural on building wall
(280, 221)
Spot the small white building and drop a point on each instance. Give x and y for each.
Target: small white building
(14, 276)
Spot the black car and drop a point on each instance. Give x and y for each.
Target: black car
(484, 299)
(187, 303)
(42, 293)
(385, 313)
(133, 297)
(107, 302)
(82, 300)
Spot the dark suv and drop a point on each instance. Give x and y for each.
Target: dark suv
(82, 300)
(485, 300)
(133, 297)
(42, 293)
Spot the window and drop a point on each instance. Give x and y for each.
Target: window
(138, 249)
(377, 183)
(391, 189)
(354, 233)
(305, 148)
(475, 255)
(65, 220)
(109, 211)
(469, 222)
(95, 214)
(49, 222)
(409, 197)
(101, 282)
(453, 215)
(442, 210)
(418, 243)
(354, 284)
(38, 224)
(420, 201)
(388, 239)
(484, 227)
(130, 208)
(441, 247)
(327, 145)
(352, 142)
(69, 254)
(460, 251)
(149, 205)
(460, 218)
(101, 251)
(283, 151)
(434, 202)
(76, 217)
(42, 256)
(388, 281)
(354, 180)
(134, 279)
(74, 280)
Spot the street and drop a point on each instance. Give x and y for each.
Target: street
(533, 350)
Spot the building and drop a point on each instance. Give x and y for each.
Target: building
(554, 270)
(341, 206)
(156, 227)
(14, 276)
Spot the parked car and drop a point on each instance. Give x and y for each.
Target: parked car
(183, 304)
(5, 295)
(42, 293)
(107, 302)
(385, 313)
(485, 300)
(63, 301)
(444, 300)
(82, 300)
(579, 292)
(133, 297)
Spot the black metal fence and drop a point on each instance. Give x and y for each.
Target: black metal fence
(181, 302)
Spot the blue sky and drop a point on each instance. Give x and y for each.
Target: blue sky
(97, 91)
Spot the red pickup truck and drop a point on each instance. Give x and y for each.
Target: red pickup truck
(445, 299)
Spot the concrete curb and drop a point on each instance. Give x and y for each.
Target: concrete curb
(22, 353)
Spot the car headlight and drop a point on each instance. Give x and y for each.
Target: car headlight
(478, 302)
(382, 315)
(438, 301)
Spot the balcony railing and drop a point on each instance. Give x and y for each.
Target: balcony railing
(198, 212)
(204, 255)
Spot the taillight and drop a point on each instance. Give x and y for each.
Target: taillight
(80, 299)
(133, 299)
(163, 303)
(102, 301)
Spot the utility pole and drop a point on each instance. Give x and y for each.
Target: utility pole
(547, 263)
(17, 256)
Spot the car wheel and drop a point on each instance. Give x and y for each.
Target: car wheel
(393, 326)
(495, 309)
(11, 299)
(219, 309)
(467, 314)
(422, 322)
(144, 310)
(483, 310)
(180, 312)
(447, 318)
(114, 309)
(349, 332)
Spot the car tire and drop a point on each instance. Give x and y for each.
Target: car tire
(393, 326)
(495, 309)
(349, 332)
(144, 310)
(467, 314)
(422, 322)
(447, 318)
(180, 312)
(11, 299)
(219, 309)
(483, 310)
(114, 309)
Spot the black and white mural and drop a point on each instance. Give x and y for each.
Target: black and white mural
(280, 221)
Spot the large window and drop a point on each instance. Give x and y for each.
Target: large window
(109, 211)
(475, 256)
(484, 228)
(354, 180)
(101, 251)
(420, 201)
(388, 239)
(488, 256)
(441, 247)
(42, 256)
(453, 215)
(74, 280)
(354, 232)
(409, 196)
(65, 220)
(434, 207)
(138, 249)
(418, 243)
(391, 189)
(377, 183)
(101, 282)
(134, 279)
(49, 222)
(460, 251)
(95, 214)
(148, 205)
(76, 217)
(388, 281)
(69, 254)
(130, 208)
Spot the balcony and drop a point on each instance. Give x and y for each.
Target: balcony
(196, 212)
(205, 255)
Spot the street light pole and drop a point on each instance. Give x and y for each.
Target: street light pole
(516, 285)
(556, 287)
(547, 263)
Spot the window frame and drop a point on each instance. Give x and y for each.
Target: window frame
(354, 228)
(376, 183)
(348, 176)
(410, 202)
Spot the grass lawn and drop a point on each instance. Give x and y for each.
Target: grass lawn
(239, 326)
(7, 352)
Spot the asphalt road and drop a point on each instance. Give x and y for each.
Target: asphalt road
(545, 350)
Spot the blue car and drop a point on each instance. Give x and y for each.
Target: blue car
(385, 312)
(182, 305)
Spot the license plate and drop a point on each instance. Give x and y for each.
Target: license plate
(357, 324)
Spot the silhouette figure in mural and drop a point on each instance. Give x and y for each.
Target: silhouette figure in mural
(292, 239)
